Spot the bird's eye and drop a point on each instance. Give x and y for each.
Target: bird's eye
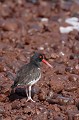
(40, 56)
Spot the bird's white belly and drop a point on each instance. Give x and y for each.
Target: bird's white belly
(34, 81)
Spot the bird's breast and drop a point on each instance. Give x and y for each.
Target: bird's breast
(35, 77)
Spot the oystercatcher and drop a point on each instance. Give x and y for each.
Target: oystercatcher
(30, 73)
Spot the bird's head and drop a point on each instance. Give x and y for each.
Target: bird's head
(38, 57)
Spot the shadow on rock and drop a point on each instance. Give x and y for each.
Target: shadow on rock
(18, 93)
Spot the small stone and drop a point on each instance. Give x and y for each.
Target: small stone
(51, 93)
(1, 117)
(73, 77)
(58, 118)
(72, 19)
(54, 55)
(72, 83)
(52, 101)
(20, 2)
(19, 118)
(16, 105)
(76, 116)
(41, 48)
(2, 97)
(44, 20)
(10, 25)
(66, 29)
(66, 5)
(65, 100)
(33, 1)
(8, 118)
(70, 88)
(75, 48)
(77, 1)
(31, 31)
(56, 108)
(69, 69)
(42, 95)
(27, 110)
(5, 10)
(22, 58)
(77, 66)
(57, 84)
(2, 110)
(61, 53)
(35, 89)
(1, 68)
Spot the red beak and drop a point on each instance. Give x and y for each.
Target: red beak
(44, 61)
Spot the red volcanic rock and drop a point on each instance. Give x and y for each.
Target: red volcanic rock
(2, 97)
(9, 24)
(57, 83)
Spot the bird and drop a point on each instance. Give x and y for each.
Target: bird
(30, 73)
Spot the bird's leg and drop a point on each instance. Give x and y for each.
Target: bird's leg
(29, 96)
(27, 93)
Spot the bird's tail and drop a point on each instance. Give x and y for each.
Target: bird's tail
(11, 76)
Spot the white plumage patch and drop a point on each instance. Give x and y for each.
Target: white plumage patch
(35, 80)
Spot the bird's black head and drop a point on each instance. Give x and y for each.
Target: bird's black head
(37, 58)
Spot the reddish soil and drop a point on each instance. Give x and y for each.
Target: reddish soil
(24, 31)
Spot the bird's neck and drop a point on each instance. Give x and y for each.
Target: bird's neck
(37, 64)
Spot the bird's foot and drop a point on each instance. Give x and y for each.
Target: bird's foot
(30, 99)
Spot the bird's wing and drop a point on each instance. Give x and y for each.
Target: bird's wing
(26, 74)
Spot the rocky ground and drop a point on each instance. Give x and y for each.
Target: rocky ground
(27, 26)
